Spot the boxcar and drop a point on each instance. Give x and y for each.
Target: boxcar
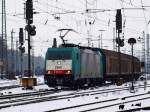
(112, 65)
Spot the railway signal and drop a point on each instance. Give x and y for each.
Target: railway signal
(119, 41)
(31, 29)
(119, 21)
(54, 43)
(29, 11)
(132, 41)
(21, 48)
(30, 81)
(21, 39)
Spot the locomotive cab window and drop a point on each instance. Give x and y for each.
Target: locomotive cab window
(61, 55)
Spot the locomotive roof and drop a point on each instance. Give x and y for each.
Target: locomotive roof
(105, 51)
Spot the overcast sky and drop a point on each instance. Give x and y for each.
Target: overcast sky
(135, 20)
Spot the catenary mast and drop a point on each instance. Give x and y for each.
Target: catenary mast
(3, 41)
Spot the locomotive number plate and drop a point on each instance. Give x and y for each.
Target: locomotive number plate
(58, 67)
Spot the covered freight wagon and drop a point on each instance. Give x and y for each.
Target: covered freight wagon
(112, 66)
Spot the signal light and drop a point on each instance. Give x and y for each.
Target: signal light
(22, 49)
(119, 21)
(131, 41)
(50, 72)
(120, 42)
(29, 11)
(21, 36)
(31, 29)
(68, 72)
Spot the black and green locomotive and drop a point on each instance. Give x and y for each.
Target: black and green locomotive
(73, 66)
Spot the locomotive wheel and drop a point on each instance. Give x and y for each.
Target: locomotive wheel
(75, 86)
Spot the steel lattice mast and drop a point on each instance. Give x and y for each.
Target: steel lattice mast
(3, 40)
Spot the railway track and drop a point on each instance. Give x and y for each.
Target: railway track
(37, 93)
(110, 103)
(46, 92)
(37, 97)
(9, 87)
(13, 86)
(136, 109)
(116, 104)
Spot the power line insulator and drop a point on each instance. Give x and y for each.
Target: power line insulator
(54, 43)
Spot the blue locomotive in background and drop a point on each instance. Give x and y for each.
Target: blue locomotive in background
(75, 66)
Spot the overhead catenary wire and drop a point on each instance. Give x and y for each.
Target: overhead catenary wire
(143, 12)
(66, 12)
(124, 23)
(104, 23)
(136, 6)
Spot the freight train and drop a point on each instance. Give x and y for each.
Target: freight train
(74, 66)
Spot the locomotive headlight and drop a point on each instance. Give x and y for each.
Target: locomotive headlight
(49, 72)
(58, 62)
(68, 72)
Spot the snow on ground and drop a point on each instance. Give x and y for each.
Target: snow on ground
(40, 107)
(40, 79)
(49, 105)
(8, 82)
(4, 83)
